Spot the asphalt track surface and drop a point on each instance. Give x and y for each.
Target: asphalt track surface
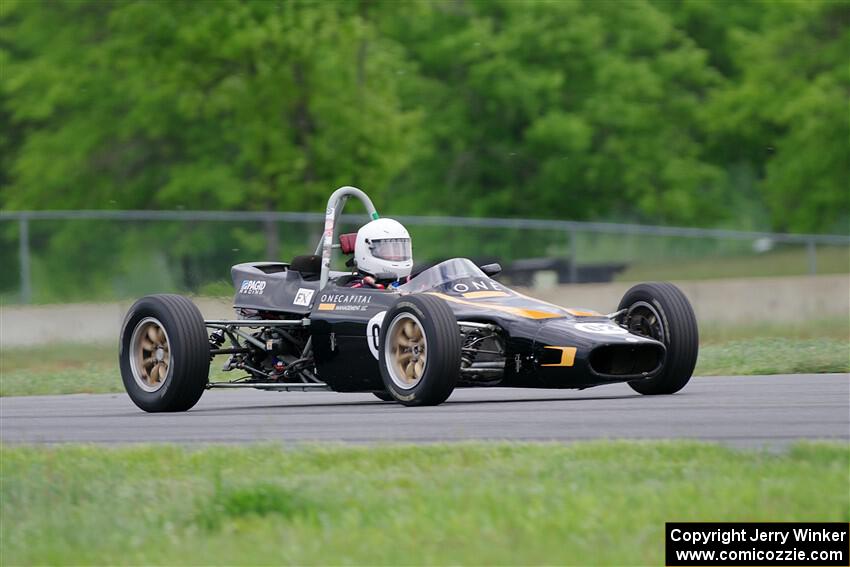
(740, 411)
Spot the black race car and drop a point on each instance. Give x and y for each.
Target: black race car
(300, 328)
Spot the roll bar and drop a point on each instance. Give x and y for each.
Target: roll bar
(335, 206)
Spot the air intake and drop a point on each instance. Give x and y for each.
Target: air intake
(627, 359)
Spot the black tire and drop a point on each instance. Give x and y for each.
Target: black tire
(186, 353)
(441, 364)
(677, 326)
(384, 396)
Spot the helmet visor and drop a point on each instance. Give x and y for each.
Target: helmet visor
(392, 249)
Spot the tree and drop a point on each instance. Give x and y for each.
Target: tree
(568, 109)
(224, 105)
(786, 113)
(232, 104)
(658, 111)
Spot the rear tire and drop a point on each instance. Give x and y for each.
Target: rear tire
(661, 311)
(419, 352)
(384, 396)
(164, 353)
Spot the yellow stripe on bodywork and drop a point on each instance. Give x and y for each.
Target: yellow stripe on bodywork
(568, 355)
(573, 312)
(518, 311)
(327, 306)
(485, 294)
(582, 313)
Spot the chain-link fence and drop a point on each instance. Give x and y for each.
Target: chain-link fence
(64, 256)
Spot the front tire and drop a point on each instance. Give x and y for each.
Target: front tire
(164, 353)
(660, 311)
(420, 349)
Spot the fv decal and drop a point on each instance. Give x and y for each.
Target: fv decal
(304, 296)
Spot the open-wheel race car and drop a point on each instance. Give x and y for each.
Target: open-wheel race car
(301, 326)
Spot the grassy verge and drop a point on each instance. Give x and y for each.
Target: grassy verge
(819, 346)
(835, 328)
(64, 369)
(595, 503)
(802, 347)
(774, 356)
(59, 369)
(783, 262)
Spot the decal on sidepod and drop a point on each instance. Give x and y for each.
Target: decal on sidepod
(252, 287)
(373, 333)
(304, 297)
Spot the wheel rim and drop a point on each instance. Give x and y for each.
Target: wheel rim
(405, 351)
(150, 354)
(644, 319)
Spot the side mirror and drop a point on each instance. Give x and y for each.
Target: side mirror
(493, 269)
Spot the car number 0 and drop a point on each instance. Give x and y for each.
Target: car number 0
(373, 333)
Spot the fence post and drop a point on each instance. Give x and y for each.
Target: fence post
(811, 252)
(573, 255)
(24, 257)
(270, 230)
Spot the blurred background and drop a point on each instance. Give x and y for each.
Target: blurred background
(148, 146)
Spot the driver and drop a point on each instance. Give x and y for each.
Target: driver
(382, 255)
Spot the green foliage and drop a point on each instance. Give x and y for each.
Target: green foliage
(255, 105)
(690, 112)
(575, 109)
(785, 112)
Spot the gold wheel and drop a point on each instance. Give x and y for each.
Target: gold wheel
(150, 353)
(406, 351)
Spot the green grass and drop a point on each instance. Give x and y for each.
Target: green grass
(788, 348)
(815, 346)
(786, 262)
(774, 356)
(835, 328)
(59, 369)
(65, 369)
(592, 503)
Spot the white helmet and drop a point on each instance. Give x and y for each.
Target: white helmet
(383, 246)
